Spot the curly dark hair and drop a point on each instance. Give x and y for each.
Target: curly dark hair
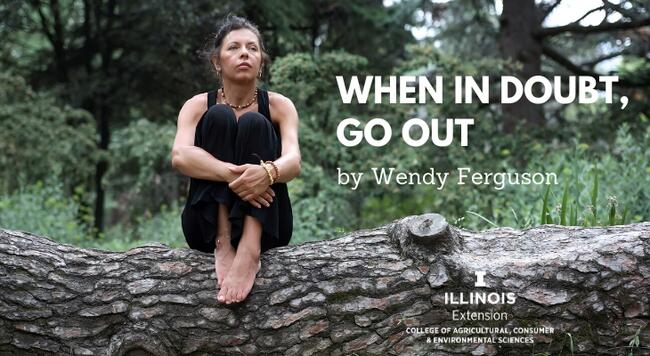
(229, 24)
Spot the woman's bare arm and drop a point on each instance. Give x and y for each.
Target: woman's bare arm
(289, 162)
(194, 161)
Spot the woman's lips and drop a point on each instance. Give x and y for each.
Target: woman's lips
(244, 65)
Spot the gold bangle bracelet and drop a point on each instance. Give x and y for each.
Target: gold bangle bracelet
(275, 168)
(268, 171)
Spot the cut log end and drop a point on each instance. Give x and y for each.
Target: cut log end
(424, 237)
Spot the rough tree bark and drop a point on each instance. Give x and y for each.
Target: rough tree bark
(355, 294)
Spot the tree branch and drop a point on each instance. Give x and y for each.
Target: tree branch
(574, 68)
(618, 8)
(45, 27)
(592, 63)
(576, 28)
(547, 11)
(577, 22)
(566, 62)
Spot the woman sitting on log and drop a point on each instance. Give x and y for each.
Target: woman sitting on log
(239, 146)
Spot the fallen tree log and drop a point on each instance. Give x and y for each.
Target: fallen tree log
(396, 289)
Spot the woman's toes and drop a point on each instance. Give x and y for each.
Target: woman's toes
(223, 295)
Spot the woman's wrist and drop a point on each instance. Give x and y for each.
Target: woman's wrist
(275, 171)
(230, 176)
(268, 170)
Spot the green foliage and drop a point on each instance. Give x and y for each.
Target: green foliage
(41, 139)
(319, 212)
(591, 213)
(479, 207)
(44, 208)
(546, 214)
(321, 209)
(635, 69)
(563, 208)
(140, 176)
(586, 191)
(163, 227)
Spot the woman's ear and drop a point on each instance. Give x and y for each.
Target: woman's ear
(215, 62)
(216, 65)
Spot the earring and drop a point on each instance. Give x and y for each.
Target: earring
(219, 72)
(259, 75)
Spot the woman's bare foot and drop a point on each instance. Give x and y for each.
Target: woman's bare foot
(240, 278)
(224, 254)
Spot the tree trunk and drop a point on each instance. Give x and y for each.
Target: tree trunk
(518, 43)
(364, 293)
(102, 118)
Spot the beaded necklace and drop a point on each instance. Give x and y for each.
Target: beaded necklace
(238, 107)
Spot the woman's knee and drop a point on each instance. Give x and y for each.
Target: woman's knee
(253, 121)
(218, 117)
(256, 139)
(217, 131)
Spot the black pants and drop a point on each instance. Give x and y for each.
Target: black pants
(248, 140)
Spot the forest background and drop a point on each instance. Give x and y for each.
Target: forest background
(90, 92)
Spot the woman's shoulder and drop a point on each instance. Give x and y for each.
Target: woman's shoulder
(280, 104)
(198, 101)
(193, 109)
(279, 99)
(195, 106)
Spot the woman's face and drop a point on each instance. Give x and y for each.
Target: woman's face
(240, 56)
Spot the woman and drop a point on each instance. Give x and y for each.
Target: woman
(239, 146)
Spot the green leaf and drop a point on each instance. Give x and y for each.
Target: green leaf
(483, 218)
(565, 198)
(545, 206)
(612, 215)
(594, 197)
(574, 215)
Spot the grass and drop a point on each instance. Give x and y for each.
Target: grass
(567, 213)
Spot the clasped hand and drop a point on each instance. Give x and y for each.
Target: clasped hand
(252, 185)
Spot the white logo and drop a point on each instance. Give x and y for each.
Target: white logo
(479, 279)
